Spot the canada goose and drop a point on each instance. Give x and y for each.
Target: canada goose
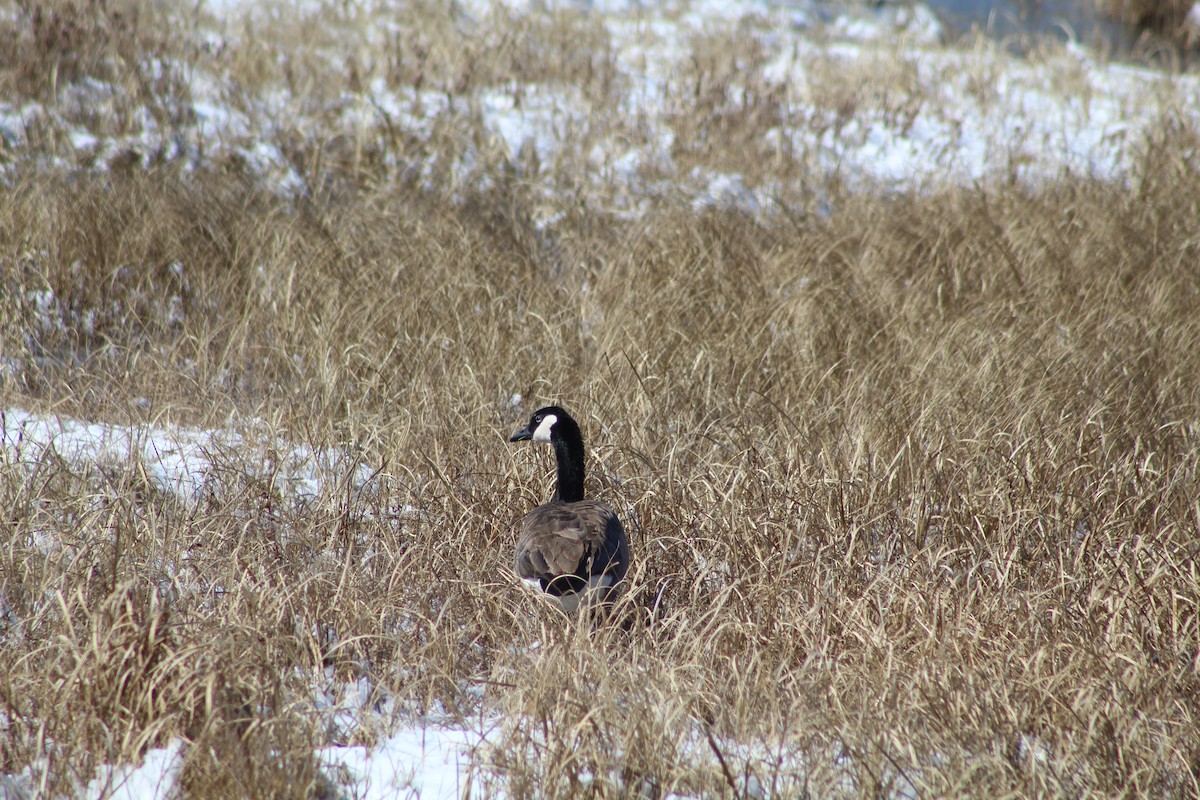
(575, 550)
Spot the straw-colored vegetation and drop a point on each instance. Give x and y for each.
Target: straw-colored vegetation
(1162, 22)
(911, 485)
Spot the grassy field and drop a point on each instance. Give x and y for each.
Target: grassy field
(910, 477)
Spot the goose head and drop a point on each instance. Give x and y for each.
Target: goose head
(549, 425)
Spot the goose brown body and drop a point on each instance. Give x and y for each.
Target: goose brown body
(574, 549)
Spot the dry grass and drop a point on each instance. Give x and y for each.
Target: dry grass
(911, 487)
(1162, 22)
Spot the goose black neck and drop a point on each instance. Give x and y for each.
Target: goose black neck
(568, 450)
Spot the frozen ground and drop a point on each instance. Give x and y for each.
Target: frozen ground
(942, 113)
(176, 459)
(423, 759)
(420, 760)
(995, 117)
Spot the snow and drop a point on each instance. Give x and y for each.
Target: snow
(534, 119)
(992, 116)
(177, 459)
(422, 759)
(963, 115)
(154, 778)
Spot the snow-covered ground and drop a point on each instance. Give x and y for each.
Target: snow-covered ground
(995, 116)
(947, 113)
(177, 459)
(422, 758)
(419, 760)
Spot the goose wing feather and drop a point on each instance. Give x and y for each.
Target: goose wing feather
(583, 538)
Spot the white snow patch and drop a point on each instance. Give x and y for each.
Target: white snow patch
(154, 779)
(959, 116)
(423, 760)
(178, 459)
(542, 119)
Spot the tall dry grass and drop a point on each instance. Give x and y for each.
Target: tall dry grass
(911, 487)
(1165, 25)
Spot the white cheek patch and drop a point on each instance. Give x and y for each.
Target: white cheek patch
(542, 433)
